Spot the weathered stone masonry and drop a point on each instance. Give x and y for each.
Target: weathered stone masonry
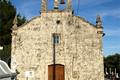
(79, 50)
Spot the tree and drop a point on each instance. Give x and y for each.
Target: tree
(20, 19)
(7, 14)
(112, 61)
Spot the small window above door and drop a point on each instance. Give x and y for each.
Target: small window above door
(56, 38)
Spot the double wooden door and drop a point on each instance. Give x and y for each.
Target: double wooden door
(56, 72)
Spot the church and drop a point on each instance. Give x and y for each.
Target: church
(57, 45)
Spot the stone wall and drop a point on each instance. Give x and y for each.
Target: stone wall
(79, 50)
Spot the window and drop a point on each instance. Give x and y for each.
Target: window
(56, 38)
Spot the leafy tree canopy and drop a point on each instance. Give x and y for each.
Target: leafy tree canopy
(7, 14)
(112, 61)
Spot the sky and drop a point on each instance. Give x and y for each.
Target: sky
(109, 10)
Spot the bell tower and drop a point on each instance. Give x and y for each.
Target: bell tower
(56, 5)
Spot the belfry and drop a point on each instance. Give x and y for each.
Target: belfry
(56, 5)
(57, 45)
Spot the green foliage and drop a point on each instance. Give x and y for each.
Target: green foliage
(7, 14)
(112, 61)
(20, 19)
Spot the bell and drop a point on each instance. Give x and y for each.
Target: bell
(62, 2)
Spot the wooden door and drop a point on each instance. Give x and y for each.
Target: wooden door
(58, 71)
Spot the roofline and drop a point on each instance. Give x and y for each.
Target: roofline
(86, 21)
(55, 12)
(28, 21)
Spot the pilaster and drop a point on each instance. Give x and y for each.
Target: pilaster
(44, 6)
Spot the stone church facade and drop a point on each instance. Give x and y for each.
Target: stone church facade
(58, 40)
